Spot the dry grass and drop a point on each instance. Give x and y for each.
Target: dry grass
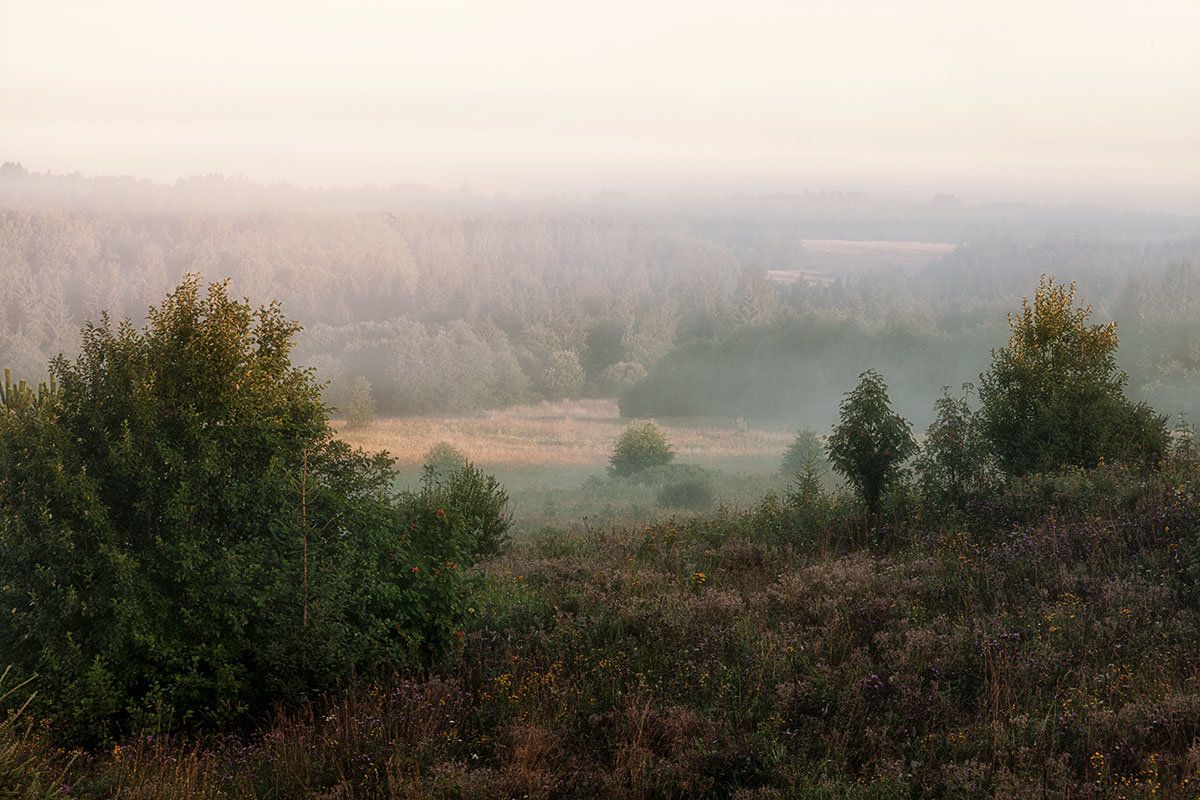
(565, 433)
(840, 255)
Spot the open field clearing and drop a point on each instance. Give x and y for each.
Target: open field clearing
(552, 458)
(577, 433)
(837, 255)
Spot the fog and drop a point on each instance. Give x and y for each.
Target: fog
(701, 209)
(1051, 102)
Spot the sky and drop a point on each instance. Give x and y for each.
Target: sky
(1053, 101)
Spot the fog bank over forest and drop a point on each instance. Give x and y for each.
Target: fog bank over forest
(765, 307)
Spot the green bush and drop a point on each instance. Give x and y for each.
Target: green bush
(180, 530)
(1055, 397)
(642, 445)
(473, 500)
(442, 461)
(690, 493)
(871, 442)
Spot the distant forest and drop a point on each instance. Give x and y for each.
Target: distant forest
(451, 302)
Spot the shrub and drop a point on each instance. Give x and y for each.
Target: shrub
(690, 493)
(1055, 396)
(442, 461)
(954, 464)
(871, 442)
(640, 446)
(180, 530)
(475, 500)
(360, 410)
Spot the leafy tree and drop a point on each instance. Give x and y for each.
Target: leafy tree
(1054, 396)
(642, 445)
(871, 442)
(360, 411)
(179, 529)
(955, 461)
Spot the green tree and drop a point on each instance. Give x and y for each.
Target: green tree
(1054, 397)
(640, 446)
(360, 410)
(954, 462)
(806, 453)
(179, 528)
(871, 442)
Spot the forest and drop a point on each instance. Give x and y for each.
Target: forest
(453, 302)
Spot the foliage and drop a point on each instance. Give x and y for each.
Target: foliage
(181, 533)
(640, 446)
(805, 453)
(688, 493)
(871, 442)
(474, 502)
(360, 410)
(443, 460)
(1054, 396)
(563, 377)
(955, 462)
(764, 654)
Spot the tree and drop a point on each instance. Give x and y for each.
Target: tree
(179, 529)
(360, 410)
(642, 445)
(871, 442)
(1054, 397)
(805, 453)
(954, 462)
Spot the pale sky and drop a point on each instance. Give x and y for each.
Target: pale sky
(1051, 101)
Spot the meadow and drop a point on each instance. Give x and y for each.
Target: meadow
(552, 457)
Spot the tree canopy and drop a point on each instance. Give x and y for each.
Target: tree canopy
(1054, 396)
(179, 529)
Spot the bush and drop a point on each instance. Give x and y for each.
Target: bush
(691, 493)
(871, 442)
(641, 446)
(1055, 397)
(472, 499)
(180, 530)
(442, 461)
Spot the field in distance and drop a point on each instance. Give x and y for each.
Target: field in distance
(544, 450)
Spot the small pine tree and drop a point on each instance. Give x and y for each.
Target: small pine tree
(871, 442)
(360, 411)
(805, 451)
(642, 445)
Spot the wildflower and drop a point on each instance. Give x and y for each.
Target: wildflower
(441, 512)
(415, 569)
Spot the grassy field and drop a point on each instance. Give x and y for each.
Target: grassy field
(552, 457)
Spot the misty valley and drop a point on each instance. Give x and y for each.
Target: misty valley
(390, 492)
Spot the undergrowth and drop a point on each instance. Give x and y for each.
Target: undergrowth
(1038, 642)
